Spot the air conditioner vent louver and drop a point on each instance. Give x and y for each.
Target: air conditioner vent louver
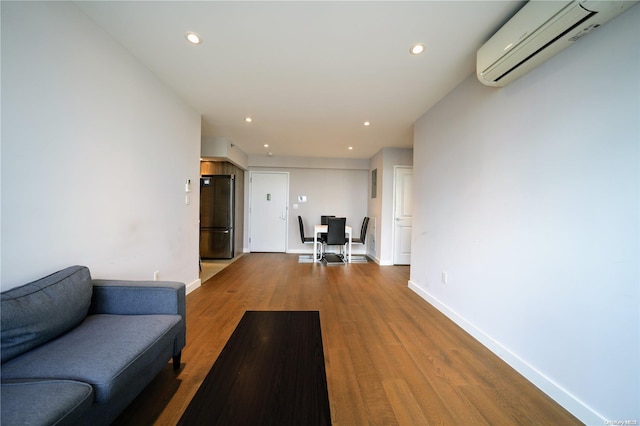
(533, 55)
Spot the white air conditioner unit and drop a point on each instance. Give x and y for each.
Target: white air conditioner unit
(537, 32)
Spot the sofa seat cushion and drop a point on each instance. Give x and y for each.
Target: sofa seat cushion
(40, 311)
(107, 351)
(44, 402)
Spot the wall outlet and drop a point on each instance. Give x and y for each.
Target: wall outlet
(156, 275)
(444, 277)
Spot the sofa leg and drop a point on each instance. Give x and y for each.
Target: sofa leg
(176, 361)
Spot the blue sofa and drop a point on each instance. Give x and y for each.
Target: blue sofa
(77, 351)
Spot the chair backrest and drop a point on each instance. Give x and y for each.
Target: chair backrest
(301, 229)
(324, 220)
(336, 231)
(363, 230)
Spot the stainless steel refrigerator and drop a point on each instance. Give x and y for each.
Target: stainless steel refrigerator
(217, 216)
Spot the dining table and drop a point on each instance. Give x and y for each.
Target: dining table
(322, 229)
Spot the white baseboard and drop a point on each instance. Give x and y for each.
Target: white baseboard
(197, 283)
(567, 400)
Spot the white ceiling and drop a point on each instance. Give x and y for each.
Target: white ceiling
(308, 73)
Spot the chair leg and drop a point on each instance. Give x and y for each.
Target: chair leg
(320, 247)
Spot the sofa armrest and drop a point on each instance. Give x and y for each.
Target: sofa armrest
(121, 297)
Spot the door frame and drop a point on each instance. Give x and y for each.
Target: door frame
(286, 220)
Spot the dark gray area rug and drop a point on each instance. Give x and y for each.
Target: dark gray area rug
(270, 372)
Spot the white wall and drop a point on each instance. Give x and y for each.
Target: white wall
(381, 207)
(337, 191)
(95, 154)
(527, 197)
(222, 149)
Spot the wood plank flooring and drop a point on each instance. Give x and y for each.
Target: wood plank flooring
(390, 357)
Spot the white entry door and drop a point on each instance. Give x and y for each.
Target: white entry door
(403, 215)
(268, 211)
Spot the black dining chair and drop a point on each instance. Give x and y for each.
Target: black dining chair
(303, 239)
(363, 232)
(306, 240)
(324, 220)
(336, 236)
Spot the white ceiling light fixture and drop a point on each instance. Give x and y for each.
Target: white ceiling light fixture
(248, 119)
(350, 148)
(193, 38)
(266, 145)
(417, 49)
(366, 123)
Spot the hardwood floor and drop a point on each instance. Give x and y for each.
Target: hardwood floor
(390, 357)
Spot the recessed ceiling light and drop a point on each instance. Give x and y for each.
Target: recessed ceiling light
(366, 123)
(417, 49)
(248, 119)
(266, 145)
(193, 38)
(350, 148)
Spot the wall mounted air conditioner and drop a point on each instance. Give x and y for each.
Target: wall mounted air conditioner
(537, 32)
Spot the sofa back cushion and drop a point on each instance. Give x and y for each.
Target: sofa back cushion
(40, 311)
